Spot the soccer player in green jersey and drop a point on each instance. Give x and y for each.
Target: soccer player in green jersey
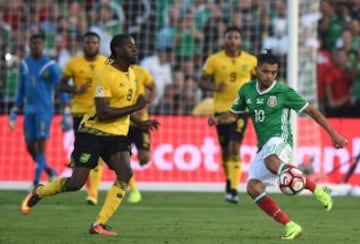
(103, 133)
(224, 73)
(269, 103)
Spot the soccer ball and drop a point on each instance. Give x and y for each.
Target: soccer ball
(291, 181)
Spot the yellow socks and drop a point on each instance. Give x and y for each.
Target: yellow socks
(132, 184)
(234, 165)
(54, 187)
(113, 199)
(94, 180)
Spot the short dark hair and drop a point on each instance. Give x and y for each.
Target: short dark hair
(232, 28)
(37, 36)
(268, 58)
(90, 33)
(118, 40)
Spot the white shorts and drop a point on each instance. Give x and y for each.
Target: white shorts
(258, 170)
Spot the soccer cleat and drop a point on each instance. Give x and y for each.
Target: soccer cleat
(322, 193)
(101, 229)
(134, 196)
(30, 201)
(232, 197)
(92, 199)
(292, 231)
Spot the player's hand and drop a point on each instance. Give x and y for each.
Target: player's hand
(220, 87)
(67, 121)
(12, 119)
(339, 141)
(152, 124)
(81, 89)
(212, 120)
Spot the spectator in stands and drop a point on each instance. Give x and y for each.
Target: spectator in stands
(324, 63)
(330, 25)
(187, 43)
(278, 43)
(140, 23)
(356, 89)
(159, 65)
(165, 36)
(213, 32)
(338, 84)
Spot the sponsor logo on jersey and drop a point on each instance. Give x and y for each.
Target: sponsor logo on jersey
(99, 91)
(272, 101)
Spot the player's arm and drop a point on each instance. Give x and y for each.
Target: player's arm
(18, 102)
(207, 83)
(151, 91)
(224, 118)
(65, 86)
(337, 140)
(105, 112)
(150, 123)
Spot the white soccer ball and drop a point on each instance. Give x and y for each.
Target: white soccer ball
(291, 181)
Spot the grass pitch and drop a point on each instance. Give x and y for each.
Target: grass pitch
(176, 218)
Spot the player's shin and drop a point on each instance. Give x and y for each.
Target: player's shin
(234, 172)
(269, 206)
(113, 199)
(54, 187)
(94, 180)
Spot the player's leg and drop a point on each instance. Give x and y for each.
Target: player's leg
(277, 159)
(58, 185)
(30, 134)
(93, 183)
(84, 156)
(223, 138)
(141, 138)
(43, 123)
(94, 179)
(259, 176)
(117, 156)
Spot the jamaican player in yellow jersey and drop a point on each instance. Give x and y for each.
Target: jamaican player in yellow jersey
(224, 73)
(103, 133)
(81, 72)
(137, 135)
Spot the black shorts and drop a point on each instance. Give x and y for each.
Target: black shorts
(232, 132)
(89, 147)
(76, 123)
(140, 137)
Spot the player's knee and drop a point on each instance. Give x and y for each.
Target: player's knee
(273, 163)
(144, 158)
(73, 185)
(254, 188)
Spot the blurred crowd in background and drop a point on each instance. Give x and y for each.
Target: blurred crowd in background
(174, 37)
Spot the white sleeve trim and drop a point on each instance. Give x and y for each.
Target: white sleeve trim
(45, 66)
(237, 112)
(300, 110)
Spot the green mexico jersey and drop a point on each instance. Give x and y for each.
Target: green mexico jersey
(269, 109)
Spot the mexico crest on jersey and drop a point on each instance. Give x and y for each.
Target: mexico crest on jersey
(272, 101)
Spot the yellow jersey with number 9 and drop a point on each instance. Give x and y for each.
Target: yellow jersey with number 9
(120, 87)
(234, 72)
(83, 71)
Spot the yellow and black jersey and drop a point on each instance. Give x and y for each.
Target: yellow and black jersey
(83, 71)
(233, 72)
(121, 88)
(145, 80)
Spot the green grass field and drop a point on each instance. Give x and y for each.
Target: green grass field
(176, 218)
